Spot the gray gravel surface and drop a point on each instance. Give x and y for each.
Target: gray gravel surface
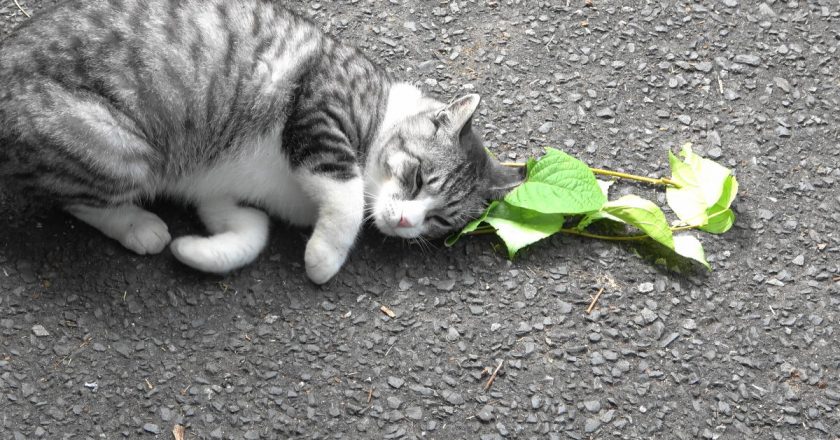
(98, 343)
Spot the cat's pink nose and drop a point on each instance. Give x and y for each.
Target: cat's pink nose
(404, 223)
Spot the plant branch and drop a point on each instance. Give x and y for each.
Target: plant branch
(571, 231)
(484, 230)
(660, 181)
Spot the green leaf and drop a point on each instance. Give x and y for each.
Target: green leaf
(529, 165)
(720, 217)
(471, 226)
(593, 217)
(519, 227)
(711, 175)
(558, 184)
(689, 246)
(642, 214)
(719, 222)
(687, 201)
(706, 191)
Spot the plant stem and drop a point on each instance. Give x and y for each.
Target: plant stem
(660, 181)
(491, 230)
(571, 231)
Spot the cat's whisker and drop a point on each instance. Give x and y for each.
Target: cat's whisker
(427, 245)
(413, 241)
(418, 243)
(369, 217)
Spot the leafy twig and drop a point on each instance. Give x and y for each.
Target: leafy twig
(571, 231)
(22, 10)
(660, 181)
(664, 181)
(491, 230)
(559, 187)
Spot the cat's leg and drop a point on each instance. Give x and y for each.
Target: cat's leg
(239, 235)
(137, 229)
(341, 205)
(91, 158)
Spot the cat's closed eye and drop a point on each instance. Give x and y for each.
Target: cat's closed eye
(418, 180)
(413, 178)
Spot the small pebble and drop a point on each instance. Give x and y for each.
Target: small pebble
(546, 127)
(752, 60)
(485, 414)
(591, 425)
(39, 331)
(395, 382)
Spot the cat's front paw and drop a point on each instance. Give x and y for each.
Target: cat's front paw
(146, 234)
(198, 253)
(323, 260)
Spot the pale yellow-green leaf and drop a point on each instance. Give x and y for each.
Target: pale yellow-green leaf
(643, 214)
(711, 175)
(706, 189)
(689, 246)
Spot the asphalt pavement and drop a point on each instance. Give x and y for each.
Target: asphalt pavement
(96, 342)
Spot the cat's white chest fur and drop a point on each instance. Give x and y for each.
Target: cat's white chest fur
(259, 174)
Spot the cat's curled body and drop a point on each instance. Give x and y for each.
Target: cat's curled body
(240, 108)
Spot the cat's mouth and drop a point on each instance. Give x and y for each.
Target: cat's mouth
(396, 217)
(395, 230)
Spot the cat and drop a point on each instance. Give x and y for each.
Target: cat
(242, 109)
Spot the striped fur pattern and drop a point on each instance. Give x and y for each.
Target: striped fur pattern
(243, 109)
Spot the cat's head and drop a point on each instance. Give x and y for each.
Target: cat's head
(433, 174)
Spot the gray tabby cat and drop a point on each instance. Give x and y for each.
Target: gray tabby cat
(240, 108)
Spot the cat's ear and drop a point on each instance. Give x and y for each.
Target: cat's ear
(502, 179)
(457, 116)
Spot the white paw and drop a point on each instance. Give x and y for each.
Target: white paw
(322, 260)
(146, 234)
(199, 253)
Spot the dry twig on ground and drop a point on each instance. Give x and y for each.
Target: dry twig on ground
(594, 301)
(493, 376)
(22, 10)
